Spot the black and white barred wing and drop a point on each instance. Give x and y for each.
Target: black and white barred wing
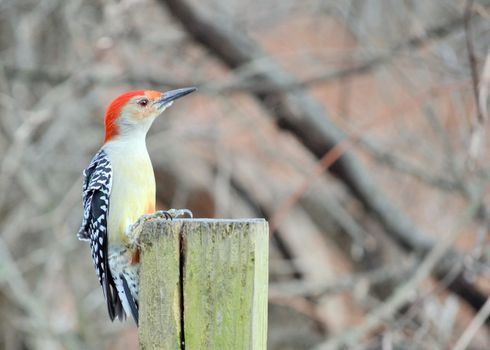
(96, 191)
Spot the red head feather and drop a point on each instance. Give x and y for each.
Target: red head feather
(114, 110)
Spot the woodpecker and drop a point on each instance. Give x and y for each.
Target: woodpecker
(119, 195)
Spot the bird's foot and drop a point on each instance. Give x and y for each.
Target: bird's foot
(136, 229)
(175, 213)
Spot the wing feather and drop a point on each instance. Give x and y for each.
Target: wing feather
(96, 191)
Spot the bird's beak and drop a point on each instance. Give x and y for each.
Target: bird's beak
(168, 97)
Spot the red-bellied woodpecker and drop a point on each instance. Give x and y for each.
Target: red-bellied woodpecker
(119, 195)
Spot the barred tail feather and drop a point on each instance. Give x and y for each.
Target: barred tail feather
(114, 305)
(130, 301)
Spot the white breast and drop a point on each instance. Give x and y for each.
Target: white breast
(133, 185)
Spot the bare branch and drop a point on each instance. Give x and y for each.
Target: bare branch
(473, 327)
(305, 118)
(406, 292)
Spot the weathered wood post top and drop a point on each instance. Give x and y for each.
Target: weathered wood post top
(203, 284)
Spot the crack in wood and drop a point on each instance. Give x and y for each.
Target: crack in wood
(182, 249)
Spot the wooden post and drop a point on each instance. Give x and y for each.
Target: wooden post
(203, 284)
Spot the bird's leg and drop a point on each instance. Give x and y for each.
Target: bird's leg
(136, 229)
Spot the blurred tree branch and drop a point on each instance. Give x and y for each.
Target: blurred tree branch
(470, 51)
(55, 76)
(406, 292)
(434, 33)
(344, 283)
(465, 339)
(396, 163)
(304, 117)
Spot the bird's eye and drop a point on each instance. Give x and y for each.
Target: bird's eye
(143, 102)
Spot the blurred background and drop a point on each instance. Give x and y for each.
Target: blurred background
(359, 129)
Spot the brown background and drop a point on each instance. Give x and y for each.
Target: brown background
(401, 82)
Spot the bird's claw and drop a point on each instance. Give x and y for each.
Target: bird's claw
(136, 228)
(177, 213)
(172, 214)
